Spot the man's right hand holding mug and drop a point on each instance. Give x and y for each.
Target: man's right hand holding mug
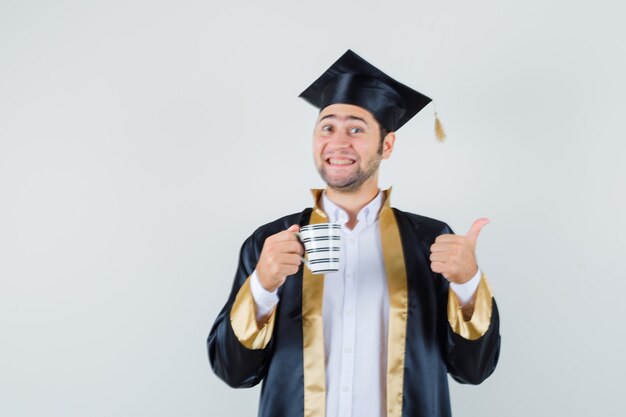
(281, 256)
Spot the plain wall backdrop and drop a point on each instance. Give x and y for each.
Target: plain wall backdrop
(142, 141)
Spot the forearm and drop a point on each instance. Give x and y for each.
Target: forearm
(264, 301)
(238, 347)
(466, 295)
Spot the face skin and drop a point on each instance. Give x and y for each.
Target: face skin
(347, 148)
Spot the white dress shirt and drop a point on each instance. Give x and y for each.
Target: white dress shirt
(355, 315)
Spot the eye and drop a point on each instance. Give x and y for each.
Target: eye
(355, 130)
(327, 128)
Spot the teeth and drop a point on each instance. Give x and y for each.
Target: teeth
(340, 161)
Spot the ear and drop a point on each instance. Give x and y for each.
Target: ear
(388, 142)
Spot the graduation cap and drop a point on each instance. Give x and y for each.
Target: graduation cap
(353, 80)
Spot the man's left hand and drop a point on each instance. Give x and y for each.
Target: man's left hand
(454, 256)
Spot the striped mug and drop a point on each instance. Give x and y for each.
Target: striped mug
(322, 246)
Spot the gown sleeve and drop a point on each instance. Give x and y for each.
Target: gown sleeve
(238, 348)
(473, 344)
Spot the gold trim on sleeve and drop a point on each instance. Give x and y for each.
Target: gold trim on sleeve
(478, 324)
(313, 331)
(243, 320)
(398, 306)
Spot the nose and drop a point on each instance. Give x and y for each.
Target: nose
(340, 140)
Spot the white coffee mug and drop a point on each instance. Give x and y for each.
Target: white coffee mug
(322, 246)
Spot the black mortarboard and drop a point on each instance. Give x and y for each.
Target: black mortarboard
(353, 80)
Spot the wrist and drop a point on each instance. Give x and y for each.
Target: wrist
(467, 277)
(267, 285)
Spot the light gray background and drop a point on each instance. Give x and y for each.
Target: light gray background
(142, 141)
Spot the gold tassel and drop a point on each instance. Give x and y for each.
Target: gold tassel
(439, 132)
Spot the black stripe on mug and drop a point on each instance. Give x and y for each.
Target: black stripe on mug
(323, 261)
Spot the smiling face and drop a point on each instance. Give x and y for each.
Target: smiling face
(347, 147)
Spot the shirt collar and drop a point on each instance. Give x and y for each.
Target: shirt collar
(368, 214)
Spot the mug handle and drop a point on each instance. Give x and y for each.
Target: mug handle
(304, 261)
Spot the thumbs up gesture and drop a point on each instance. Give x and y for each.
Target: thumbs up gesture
(454, 256)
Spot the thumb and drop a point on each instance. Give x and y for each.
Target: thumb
(294, 228)
(474, 231)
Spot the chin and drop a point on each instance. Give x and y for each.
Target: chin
(337, 182)
(348, 185)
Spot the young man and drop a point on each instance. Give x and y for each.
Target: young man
(407, 306)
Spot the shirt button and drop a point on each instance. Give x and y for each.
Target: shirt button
(348, 312)
(352, 240)
(347, 350)
(346, 388)
(349, 275)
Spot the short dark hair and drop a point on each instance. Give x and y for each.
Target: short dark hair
(383, 133)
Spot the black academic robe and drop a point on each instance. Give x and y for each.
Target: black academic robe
(425, 346)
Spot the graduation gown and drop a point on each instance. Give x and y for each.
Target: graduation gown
(427, 337)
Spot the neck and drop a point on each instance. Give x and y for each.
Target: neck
(353, 202)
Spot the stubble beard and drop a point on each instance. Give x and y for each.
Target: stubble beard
(354, 182)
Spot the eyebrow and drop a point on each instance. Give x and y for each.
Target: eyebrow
(334, 116)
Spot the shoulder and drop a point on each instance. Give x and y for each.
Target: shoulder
(426, 229)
